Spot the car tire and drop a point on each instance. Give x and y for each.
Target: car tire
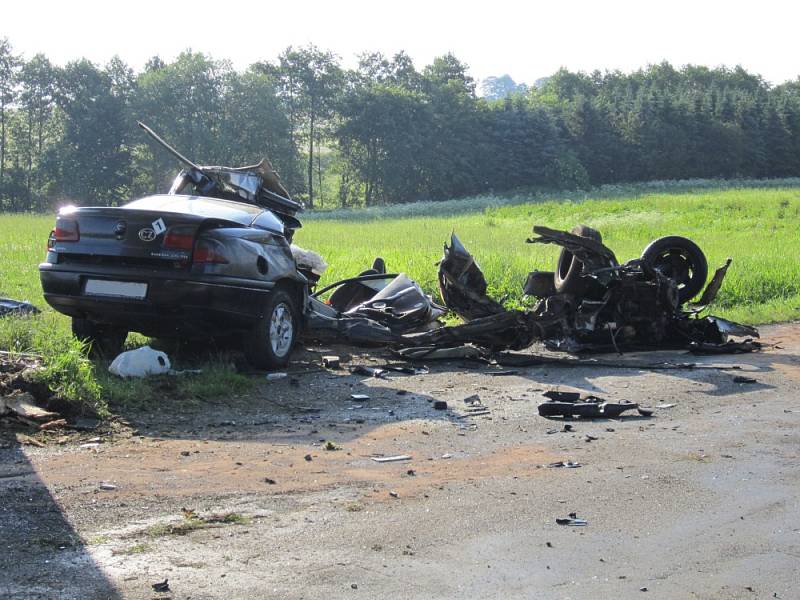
(269, 344)
(681, 260)
(105, 341)
(567, 276)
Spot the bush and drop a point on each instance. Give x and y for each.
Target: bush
(69, 374)
(66, 370)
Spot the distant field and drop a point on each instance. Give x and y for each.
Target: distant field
(758, 228)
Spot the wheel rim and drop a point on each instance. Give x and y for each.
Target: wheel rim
(281, 329)
(675, 264)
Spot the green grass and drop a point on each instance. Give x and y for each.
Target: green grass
(192, 522)
(139, 548)
(219, 378)
(755, 223)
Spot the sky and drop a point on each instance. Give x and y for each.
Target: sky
(525, 39)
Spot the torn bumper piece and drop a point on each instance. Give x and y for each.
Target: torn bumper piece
(584, 405)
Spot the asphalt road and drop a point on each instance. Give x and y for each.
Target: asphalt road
(698, 501)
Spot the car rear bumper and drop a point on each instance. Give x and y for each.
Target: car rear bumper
(174, 304)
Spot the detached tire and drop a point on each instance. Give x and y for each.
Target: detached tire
(269, 344)
(106, 341)
(567, 277)
(681, 260)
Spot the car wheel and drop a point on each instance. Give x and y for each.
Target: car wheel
(105, 341)
(681, 260)
(270, 342)
(567, 277)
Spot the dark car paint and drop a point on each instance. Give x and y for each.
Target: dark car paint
(208, 208)
(183, 298)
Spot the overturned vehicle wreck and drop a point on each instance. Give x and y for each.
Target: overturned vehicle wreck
(590, 303)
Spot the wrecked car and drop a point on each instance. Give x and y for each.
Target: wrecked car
(211, 257)
(591, 302)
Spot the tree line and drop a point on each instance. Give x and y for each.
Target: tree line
(383, 132)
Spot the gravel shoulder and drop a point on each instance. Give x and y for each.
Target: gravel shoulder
(275, 494)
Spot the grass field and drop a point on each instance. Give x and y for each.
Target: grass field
(756, 226)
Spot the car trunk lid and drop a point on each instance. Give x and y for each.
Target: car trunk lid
(130, 237)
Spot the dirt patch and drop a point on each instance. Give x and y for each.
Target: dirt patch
(194, 468)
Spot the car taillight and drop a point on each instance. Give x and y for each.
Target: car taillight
(179, 238)
(51, 239)
(209, 252)
(66, 230)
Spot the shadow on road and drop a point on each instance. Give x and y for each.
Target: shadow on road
(41, 555)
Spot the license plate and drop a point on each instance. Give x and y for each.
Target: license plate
(115, 289)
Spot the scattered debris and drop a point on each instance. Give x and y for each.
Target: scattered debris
(359, 397)
(440, 404)
(15, 308)
(27, 440)
(308, 458)
(744, 347)
(184, 372)
(141, 362)
(578, 403)
(331, 362)
(455, 351)
(161, 587)
(663, 406)
(54, 424)
(743, 379)
(330, 446)
(573, 521)
(85, 424)
(472, 400)
(564, 463)
(388, 459)
(269, 481)
(107, 487)
(276, 376)
(368, 371)
(407, 369)
(394, 494)
(23, 406)
(475, 413)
